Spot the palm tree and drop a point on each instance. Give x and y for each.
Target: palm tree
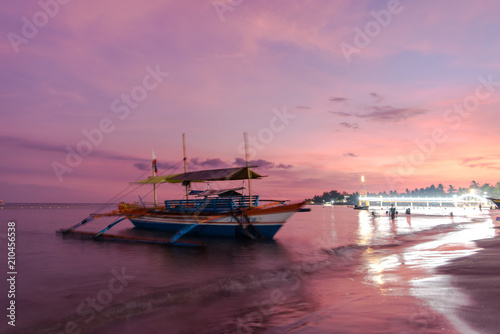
(487, 189)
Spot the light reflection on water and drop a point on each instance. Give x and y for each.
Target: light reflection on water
(334, 267)
(411, 268)
(366, 228)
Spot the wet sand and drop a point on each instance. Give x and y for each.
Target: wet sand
(478, 276)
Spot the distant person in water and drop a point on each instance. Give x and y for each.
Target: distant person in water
(392, 211)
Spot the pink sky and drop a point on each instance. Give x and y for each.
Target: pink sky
(416, 103)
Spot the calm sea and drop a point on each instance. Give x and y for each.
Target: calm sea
(331, 270)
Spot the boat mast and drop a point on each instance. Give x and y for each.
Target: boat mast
(248, 169)
(153, 165)
(185, 162)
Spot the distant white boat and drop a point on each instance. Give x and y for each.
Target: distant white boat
(328, 204)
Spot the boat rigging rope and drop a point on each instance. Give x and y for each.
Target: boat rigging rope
(174, 167)
(121, 194)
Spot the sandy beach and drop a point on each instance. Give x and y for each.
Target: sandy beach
(478, 276)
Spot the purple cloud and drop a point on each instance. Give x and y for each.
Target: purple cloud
(389, 113)
(209, 163)
(349, 125)
(341, 113)
(160, 165)
(377, 97)
(27, 143)
(36, 145)
(261, 163)
(284, 166)
(339, 99)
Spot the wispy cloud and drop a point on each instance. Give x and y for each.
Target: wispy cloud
(386, 113)
(283, 166)
(351, 155)
(382, 114)
(160, 165)
(481, 162)
(30, 144)
(209, 163)
(390, 114)
(376, 97)
(225, 56)
(349, 125)
(213, 163)
(487, 165)
(302, 107)
(36, 145)
(262, 163)
(467, 160)
(339, 99)
(341, 113)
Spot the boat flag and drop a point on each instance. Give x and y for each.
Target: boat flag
(154, 163)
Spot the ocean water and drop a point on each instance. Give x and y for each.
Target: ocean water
(331, 270)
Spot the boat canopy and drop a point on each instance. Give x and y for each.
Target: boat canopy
(157, 179)
(222, 174)
(217, 192)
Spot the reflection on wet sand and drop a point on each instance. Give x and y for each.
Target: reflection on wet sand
(411, 267)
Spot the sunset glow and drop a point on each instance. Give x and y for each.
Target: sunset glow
(405, 93)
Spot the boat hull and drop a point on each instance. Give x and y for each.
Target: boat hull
(213, 229)
(260, 222)
(496, 201)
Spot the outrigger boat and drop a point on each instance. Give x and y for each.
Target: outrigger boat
(224, 212)
(220, 213)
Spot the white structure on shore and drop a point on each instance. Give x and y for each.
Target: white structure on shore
(467, 200)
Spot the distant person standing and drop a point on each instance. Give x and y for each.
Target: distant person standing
(392, 211)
